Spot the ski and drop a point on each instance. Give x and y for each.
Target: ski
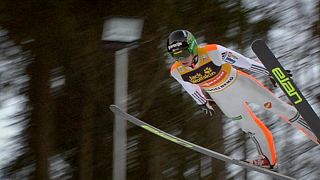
(274, 67)
(117, 111)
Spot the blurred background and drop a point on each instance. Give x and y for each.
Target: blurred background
(57, 80)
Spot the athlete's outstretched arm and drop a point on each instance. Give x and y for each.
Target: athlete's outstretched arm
(236, 59)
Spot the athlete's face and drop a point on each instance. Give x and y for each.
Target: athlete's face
(187, 61)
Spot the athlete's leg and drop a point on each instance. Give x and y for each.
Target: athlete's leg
(260, 134)
(263, 97)
(233, 105)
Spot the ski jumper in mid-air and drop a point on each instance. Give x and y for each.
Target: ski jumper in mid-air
(210, 68)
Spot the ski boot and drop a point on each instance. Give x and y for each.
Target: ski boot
(261, 161)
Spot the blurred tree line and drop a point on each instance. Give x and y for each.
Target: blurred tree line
(70, 73)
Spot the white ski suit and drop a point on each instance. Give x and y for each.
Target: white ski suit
(233, 89)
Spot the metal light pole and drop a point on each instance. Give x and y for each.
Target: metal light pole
(122, 31)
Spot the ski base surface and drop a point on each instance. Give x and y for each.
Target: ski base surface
(117, 111)
(279, 74)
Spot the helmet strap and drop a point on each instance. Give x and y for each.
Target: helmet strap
(195, 60)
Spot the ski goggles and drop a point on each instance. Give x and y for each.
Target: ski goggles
(180, 54)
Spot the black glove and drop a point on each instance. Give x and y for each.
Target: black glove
(274, 83)
(289, 73)
(207, 109)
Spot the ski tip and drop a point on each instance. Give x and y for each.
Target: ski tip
(258, 41)
(258, 46)
(113, 107)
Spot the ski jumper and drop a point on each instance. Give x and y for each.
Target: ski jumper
(232, 90)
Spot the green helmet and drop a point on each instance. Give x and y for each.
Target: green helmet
(181, 43)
